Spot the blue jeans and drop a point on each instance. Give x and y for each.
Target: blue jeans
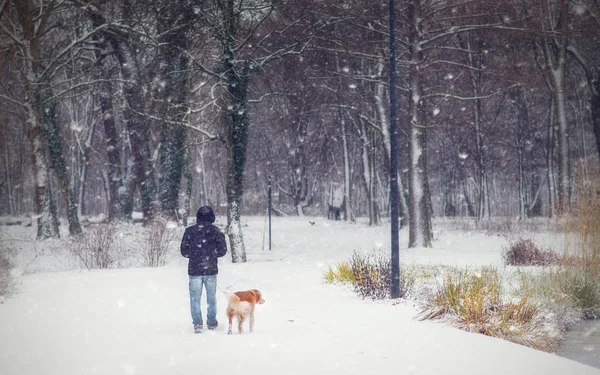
(210, 283)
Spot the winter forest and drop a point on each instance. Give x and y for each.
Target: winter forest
(119, 106)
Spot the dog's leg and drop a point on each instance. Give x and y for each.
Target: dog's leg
(230, 317)
(240, 318)
(252, 319)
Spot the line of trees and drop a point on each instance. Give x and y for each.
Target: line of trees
(115, 106)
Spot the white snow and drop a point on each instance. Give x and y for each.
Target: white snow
(137, 321)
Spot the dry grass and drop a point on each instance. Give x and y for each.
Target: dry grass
(574, 283)
(579, 275)
(472, 301)
(340, 273)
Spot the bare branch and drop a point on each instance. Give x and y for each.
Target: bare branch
(54, 65)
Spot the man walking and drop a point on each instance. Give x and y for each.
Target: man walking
(202, 244)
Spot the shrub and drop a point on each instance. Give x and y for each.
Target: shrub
(7, 282)
(526, 253)
(159, 236)
(95, 248)
(372, 276)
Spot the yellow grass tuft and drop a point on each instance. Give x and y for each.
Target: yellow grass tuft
(340, 273)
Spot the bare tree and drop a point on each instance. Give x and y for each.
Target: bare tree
(37, 27)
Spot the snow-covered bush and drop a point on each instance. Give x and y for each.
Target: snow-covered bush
(370, 275)
(7, 282)
(96, 247)
(159, 236)
(525, 253)
(373, 276)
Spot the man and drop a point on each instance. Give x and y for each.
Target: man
(202, 244)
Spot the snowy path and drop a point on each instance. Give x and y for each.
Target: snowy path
(136, 321)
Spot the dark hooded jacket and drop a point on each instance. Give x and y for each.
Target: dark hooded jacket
(203, 243)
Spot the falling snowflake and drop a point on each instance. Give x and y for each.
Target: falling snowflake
(579, 10)
(76, 127)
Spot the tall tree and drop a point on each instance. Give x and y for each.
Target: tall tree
(420, 228)
(245, 51)
(174, 23)
(553, 46)
(35, 29)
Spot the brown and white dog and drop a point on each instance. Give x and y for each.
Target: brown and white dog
(241, 304)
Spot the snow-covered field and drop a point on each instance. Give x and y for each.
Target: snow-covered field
(65, 320)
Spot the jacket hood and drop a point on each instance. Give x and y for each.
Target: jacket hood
(205, 214)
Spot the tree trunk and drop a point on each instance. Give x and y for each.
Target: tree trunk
(84, 145)
(382, 113)
(47, 219)
(420, 233)
(367, 136)
(236, 126)
(475, 60)
(10, 198)
(535, 204)
(237, 123)
(58, 164)
(139, 138)
(550, 163)
(595, 107)
(116, 207)
(187, 202)
(138, 129)
(563, 145)
(555, 51)
(114, 169)
(521, 184)
(173, 21)
(348, 213)
(522, 124)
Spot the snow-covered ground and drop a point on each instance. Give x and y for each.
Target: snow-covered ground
(136, 320)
